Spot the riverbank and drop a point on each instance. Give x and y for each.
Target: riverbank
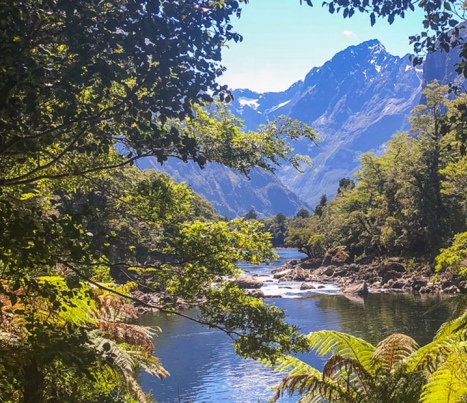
(299, 277)
(384, 275)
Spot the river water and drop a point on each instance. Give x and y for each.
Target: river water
(205, 369)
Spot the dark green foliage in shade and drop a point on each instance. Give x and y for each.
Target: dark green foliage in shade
(322, 203)
(302, 213)
(408, 201)
(80, 80)
(251, 215)
(277, 228)
(83, 74)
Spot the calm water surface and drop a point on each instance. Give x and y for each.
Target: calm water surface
(205, 369)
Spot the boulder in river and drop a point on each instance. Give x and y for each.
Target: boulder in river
(359, 289)
(307, 286)
(310, 264)
(255, 293)
(248, 282)
(391, 266)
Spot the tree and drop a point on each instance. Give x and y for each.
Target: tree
(302, 213)
(306, 235)
(78, 81)
(251, 215)
(322, 203)
(277, 227)
(345, 184)
(70, 344)
(78, 76)
(396, 370)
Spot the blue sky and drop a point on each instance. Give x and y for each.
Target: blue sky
(283, 41)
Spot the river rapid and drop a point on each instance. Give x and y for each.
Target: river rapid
(205, 369)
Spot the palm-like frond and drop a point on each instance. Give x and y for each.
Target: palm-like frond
(349, 374)
(393, 350)
(294, 365)
(300, 378)
(125, 360)
(326, 342)
(447, 384)
(313, 389)
(149, 363)
(453, 325)
(140, 336)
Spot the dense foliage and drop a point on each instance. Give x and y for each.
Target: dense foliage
(87, 88)
(408, 201)
(396, 370)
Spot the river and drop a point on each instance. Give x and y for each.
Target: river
(205, 369)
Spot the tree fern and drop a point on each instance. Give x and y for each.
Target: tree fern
(300, 378)
(394, 350)
(453, 325)
(356, 372)
(448, 383)
(295, 365)
(326, 342)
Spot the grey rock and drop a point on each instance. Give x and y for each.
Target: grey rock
(248, 282)
(337, 256)
(359, 289)
(255, 293)
(451, 290)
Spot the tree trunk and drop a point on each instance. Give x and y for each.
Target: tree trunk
(33, 384)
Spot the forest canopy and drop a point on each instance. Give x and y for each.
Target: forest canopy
(86, 89)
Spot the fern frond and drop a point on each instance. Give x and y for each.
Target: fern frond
(430, 356)
(326, 342)
(295, 365)
(112, 354)
(140, 336)
(300, 383)
(135, 390)
(394, 349)
(447, 384)
(149, 363)
(326, 391)
(300, 374)
(453, 325)
(349, 374)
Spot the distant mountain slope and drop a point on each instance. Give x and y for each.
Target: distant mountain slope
(356, 102)
(229, 192)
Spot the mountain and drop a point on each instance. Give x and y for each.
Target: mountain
(356, 102)
(231, 193)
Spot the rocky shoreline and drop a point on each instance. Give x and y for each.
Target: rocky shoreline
(387, 275)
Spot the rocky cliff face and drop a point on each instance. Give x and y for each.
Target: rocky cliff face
(356, 102)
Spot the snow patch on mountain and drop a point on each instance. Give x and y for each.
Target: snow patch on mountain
(252, 103)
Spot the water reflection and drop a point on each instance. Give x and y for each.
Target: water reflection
(379, 315)
(204, 367)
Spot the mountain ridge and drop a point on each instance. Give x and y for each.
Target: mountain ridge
(356, 101)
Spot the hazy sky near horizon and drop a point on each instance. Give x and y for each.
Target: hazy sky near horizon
(283, 41)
